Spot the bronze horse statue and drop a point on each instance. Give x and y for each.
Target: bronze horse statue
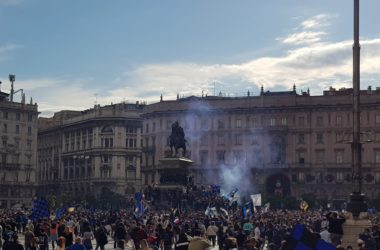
(177, 140)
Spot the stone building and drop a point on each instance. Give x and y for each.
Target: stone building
(87, 151)
(283, 142)
(18, 134)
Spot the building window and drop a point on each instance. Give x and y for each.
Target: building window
(339, 156)
(338, 137)
(220, 124)
(377, 177)
(301, 138)
(320, 121)
(147, 128)
(255, 122)
(18, 116)
(29, 130)
(238, 123)
(30, 117)
(17, 129)
(320, 156)
(377, 157)
(220, 157)
(319, 138)
(154, 127)
(301, 157)
(203, 155)
(5, 115)
(168, 124)
(339, 120)
(220, 139)
(339, 176)
(301, 177)
(204, 124)
(5, 128)
(283, 121)
(238, 139)
(377, 118)
(238, 157)
(272, 122)
(301, 121)
(204, 140)
(255, 140)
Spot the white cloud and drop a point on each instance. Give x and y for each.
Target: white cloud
(305, 37)
(316, 65)
(317, 21)
(309, 31)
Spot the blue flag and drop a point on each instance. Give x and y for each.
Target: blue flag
(302, 239)
(61, 212)
(40, 209)
(139, 211)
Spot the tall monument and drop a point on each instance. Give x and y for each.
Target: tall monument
(174, 167)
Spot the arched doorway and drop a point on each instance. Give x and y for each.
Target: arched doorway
(278, 184)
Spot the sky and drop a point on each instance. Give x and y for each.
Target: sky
(73, 54)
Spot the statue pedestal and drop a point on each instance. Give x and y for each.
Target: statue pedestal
(174, 172)
(353, 227)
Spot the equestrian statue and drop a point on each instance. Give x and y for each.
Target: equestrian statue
(177, 140)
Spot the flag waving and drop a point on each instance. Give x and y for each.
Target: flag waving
(139, 211)
(304, 206)
(40, 209)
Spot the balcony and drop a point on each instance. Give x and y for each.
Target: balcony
(281, 128)
(10, 166)
(300, 165)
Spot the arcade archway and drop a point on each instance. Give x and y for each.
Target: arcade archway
(278, 184)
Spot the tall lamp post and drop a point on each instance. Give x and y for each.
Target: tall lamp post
(357, 202)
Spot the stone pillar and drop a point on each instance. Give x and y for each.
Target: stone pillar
(352, 228)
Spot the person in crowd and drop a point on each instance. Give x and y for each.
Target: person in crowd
(144, 245)
(28, 237)
(77, 245)
(199, 242)
(120, 245)
(13, 244)
(53, 234)
(43, 240)
(61, 243)
(335, 227)
(69, 237)
(183, 242)
(211, 233)
(325, 235)
(101, 238)
(88, 236)
(119, 233)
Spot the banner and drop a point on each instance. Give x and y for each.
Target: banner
(256, 200)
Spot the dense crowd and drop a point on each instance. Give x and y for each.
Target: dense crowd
(186, 227)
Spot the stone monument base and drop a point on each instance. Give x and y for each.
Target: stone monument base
(352, 228)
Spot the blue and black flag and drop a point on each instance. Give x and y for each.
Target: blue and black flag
(303, 239)
(40, 209)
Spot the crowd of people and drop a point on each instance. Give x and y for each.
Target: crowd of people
(175, 228)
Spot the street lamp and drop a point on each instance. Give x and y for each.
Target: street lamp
(357, 202)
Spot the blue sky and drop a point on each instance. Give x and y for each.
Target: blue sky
(70, 54)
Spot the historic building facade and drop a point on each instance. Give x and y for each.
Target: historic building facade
(87, 151)
(18, 134)
(291, 143)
